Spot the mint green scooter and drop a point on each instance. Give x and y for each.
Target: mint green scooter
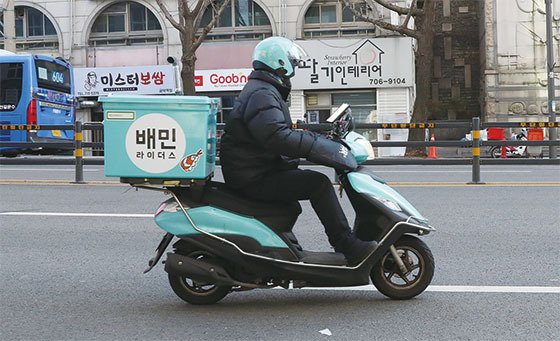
(227, 243)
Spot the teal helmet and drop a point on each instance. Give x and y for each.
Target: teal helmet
(279, 55)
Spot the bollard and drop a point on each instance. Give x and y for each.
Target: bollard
(476, 152)
(504, 152)
(78, 153)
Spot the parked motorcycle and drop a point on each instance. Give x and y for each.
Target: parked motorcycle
(511, 151)
(229, 243)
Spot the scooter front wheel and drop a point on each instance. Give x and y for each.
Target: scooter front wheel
(391, 281)
(195, 292)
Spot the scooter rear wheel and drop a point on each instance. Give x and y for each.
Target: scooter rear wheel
(194, 292)
(418, 259)
(496, 152)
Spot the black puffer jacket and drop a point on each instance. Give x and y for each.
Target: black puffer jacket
(258, 136)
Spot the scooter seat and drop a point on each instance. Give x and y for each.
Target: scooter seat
(217, 194)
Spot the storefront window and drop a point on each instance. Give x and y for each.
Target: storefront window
(34, 30)
(362, 103)
(331, 18)
(241, 20)
(125, 23)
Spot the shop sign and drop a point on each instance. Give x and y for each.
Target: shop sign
(221, 80)
(356, 63)
(139, 80)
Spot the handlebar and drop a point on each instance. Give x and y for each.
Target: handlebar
(342, 125)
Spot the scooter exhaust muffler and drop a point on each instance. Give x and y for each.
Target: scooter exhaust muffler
(197, 269)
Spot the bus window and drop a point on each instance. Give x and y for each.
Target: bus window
(53, 76)
(10, 85)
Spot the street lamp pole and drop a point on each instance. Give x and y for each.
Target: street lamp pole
(550, 75)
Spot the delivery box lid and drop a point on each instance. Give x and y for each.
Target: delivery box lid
(154, 99)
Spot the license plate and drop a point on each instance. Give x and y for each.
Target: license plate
(56, 133)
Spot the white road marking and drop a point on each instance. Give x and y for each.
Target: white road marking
(2, 169)
(431, 288)
(451, 171)
(67, 214)
(497, 289)
(464, 289)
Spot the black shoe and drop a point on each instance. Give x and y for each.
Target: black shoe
(358, 250)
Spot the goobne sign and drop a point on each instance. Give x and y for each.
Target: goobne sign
(221, 80)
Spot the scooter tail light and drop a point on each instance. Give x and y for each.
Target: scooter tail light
(160, 209)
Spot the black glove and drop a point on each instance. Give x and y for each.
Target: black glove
(332, 154)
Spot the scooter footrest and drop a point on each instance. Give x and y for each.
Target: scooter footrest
(324, 258)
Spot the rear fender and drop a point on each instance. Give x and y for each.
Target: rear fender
(215, 221)
(159, 251)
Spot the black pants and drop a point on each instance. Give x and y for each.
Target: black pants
(297, 184)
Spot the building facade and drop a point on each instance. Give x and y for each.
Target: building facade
(498, 76)
(348, 62)
(513, 63)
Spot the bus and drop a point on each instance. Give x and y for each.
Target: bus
(35, 90)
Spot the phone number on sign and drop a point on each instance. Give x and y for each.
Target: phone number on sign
(389, 81)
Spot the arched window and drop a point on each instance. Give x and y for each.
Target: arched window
(331, 18)
(33, 30)
(241, 20)
(125, 23)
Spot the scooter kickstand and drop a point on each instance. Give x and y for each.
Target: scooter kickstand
(398, 259)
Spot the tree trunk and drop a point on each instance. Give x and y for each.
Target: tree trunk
(187, 75)
(424, 72)
(188, 59)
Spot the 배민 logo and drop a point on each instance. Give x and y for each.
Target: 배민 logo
(155, 143)
(343, 151)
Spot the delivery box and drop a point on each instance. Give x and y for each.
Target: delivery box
(159, 139)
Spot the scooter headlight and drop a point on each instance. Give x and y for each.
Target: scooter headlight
(391, 204)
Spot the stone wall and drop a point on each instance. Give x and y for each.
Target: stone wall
(456, 79)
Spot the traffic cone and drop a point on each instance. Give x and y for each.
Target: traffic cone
(432, 153)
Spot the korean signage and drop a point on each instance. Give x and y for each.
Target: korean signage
(356, 63)
(7, 107)
(155, 142)
(221, 80)
(157, 79)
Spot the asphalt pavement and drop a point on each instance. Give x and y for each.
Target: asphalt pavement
(72, 257)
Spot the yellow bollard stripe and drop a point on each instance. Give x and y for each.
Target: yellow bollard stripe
(79, 152)
(476, 151)
(476, 134)
(79, 136)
